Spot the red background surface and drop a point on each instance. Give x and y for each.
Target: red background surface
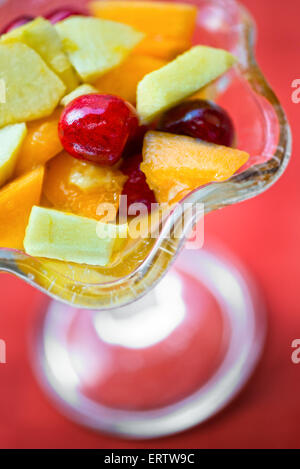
(265, 234)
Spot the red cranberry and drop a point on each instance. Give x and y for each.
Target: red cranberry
(136, 187)
(61, 14)
(16, 23)
(199, 119)
(96, 128)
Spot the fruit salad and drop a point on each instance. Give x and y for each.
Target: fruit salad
(105, 112)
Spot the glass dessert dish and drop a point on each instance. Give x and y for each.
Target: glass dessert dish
(117, 354)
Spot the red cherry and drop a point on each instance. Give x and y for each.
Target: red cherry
(131, 163)
(61, 14)
(96, 128)
(136, 188)
(16, 23)
(199, 119)
(135, 142)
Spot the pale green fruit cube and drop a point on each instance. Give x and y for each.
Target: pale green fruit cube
(66, 237)
(32, 89)
(80, 91)
(11, 139)
(41, 36)
(95, 46)
(188, 73)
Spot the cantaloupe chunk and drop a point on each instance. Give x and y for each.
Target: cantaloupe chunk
(188, 73)
(40, 145)
(32, 89)
(176, 163)
(168, 26)
(162, 47)
(78, 187)
(63, 236)
(95, 46)
(173, 20)
(16, 202)
(41, 36)
(123, 80)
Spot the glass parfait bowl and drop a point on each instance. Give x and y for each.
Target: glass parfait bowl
(104, 304)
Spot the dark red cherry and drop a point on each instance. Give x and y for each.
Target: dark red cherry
(16, 23)
(136, 188)
(97, 127)
(135, 141)
(61, 14)
(199, 119)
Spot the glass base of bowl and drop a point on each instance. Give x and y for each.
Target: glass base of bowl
(163, 364)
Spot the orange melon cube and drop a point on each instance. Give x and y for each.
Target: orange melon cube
(123, 80)
(16, 202)
(172, 20)
(176, 164)
(81, 188)
(162, 47)
(41, 143)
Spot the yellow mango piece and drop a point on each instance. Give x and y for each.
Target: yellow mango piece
(188, 73)
(123, 80)
(40, 145)
(173, 20)
(16, 202)
(175, 164)
(32, 89)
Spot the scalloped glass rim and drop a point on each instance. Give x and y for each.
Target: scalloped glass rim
(243, 186)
